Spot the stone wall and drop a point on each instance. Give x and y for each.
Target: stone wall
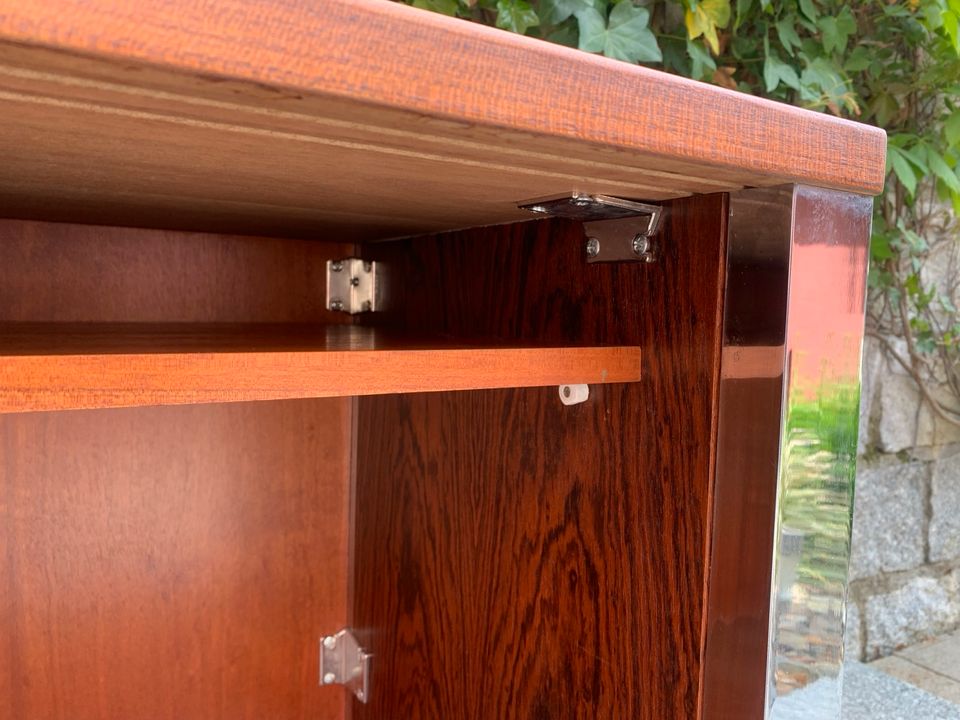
(905, 559)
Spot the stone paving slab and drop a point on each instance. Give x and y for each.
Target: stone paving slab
(869, 694)
(940, 655)
(920, 676)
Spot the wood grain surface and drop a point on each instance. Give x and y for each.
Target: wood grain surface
(521, 559)
(62, 273)
(54, 367)
(168, 563)
(136, 107)
(171, 563)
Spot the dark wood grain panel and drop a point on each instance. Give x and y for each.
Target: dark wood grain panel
(171, 563)
(521, 559)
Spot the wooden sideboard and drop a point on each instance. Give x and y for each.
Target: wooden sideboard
(208, 468)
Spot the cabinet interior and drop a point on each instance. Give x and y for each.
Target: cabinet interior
(205, 471)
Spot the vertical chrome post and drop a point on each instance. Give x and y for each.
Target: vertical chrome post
(786, 454)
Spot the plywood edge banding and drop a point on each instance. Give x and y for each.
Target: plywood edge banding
(53, 382)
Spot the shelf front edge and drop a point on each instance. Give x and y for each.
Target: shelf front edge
(62, 382)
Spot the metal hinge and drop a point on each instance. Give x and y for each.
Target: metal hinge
(352, 286)
(617, 229)
(344, 662)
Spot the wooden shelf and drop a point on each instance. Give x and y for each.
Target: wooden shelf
(57, 366)
(363, 119)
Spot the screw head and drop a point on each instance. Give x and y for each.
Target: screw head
(593, 247)
(367, 306)
(329, 679)
(354, 281)
(641, 245)
(336, 265)
(336, 305)
(329, 642)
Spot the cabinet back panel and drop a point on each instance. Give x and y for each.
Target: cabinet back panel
(516, 558)
(58, 272)
(171, 563)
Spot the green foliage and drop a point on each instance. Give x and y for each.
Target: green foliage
(892, 63)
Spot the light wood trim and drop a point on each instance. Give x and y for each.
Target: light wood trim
(379, 57)
(99, 366)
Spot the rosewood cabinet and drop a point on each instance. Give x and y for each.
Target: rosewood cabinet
(282, 355)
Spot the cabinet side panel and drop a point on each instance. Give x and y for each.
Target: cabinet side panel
(172, 563)
(516, 558)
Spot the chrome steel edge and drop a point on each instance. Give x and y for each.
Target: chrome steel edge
(825, 321)
(788, 411)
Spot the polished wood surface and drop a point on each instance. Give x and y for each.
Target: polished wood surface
(364, 117)
(521, 559)
(53, 367)
(63, 273)
(753, 360)
(171, 563)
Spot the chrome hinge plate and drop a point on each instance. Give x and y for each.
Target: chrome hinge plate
(344, 662)
(617, 229)
(352, 286)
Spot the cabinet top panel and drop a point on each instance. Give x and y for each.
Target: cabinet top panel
(365, 117)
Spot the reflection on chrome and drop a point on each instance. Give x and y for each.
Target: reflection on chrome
(828, 257)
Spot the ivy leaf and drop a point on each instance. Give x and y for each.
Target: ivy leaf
(858, 61)
(516, 15)
(787, 32)
(775, 71)
(554, 12)
(743, 7)
(880, 247)
(566, 33)
(704, 17)
(951, 128)
(902, 169)
(625, 35)
(704, 66)
(938, 166)
(835, 31)
(822, 85)
(447, 7)
(808, 8)
(951, 24)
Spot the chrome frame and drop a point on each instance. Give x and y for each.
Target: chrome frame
(788, 411)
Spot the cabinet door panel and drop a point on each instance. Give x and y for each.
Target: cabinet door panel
(516, 558)
(170, 563)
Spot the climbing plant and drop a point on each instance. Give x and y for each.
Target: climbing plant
(892, 63)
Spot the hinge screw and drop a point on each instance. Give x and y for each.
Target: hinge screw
(643, 248)
(336, 265)
(641, 244)
(593, 247)
(336, 305)
(354, 281)
(329, 679)
(329, 642)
